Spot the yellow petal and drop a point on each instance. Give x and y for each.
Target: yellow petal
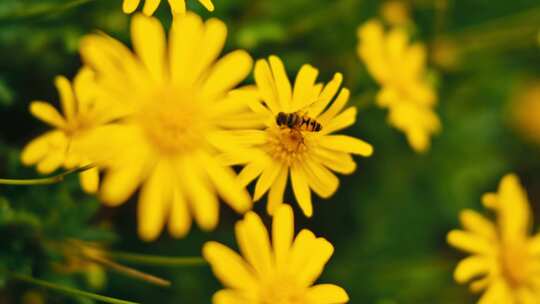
(185, 45)
(228, 296)
(228, 266)
(327, 294)
(120, 183)
(496, 294)
(208, 4)
(47, 113)
(56, 155)
(303, 87)
(301, 251)
(129, 6)
(180, 219)
(490, 200)
(226, 184)
(154, 202)
(282, 234)
(469, 242)
(347, 144)
(50, 162)
(266, 86)
(320, 179)
(313, 265)
(301, 190)
(336, 161)
(335, 107)
(514, 214)
(89, 180)
(227, 73)
(282, 83)
(252, 170)
(36, 149)
(477, 224)
(150, 7)
(471, 267)
(277, 191)
(254, 242)
(534, 245)
(178, 6)
(67, 97)
(202, 199)
(329, 91)
(267, 178)
(341, 121)
(149, 44)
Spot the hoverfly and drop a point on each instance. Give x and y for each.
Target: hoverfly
(298, 121)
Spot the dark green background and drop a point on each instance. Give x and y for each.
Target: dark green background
(387, 221)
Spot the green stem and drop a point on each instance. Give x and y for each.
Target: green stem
(153, 260)
(43, 181)
(69, 290)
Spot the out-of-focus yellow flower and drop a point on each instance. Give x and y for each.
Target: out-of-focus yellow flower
(310, 157)
(395, 12)
(282, 272)
(505, 260)
(400, 70)
(526, 112)
(150, 6)
(82, 113)
(177, 98)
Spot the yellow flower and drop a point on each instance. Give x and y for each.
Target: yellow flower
(526, 112)
(505, 259)
(396, 12)
(310, 157)
(282, 272)
(150, 6)
(176, 98)
(58, 147)
(400, 70)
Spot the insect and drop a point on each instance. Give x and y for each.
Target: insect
(298, 122)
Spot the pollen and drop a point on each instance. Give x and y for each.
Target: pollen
(287, 145)
(175, 126)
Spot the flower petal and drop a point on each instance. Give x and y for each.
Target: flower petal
(514, 213)
(180, 219)
(36, 149)
(185, 46)
(89, 180)
(228, 296)
(129, 6)
(345, 119)
(303, 88)
(253, 240)
(327, 294)
(178, 7)
(228, 266)
(120, 183)
(253, 169)
(471, 267)
(301, 190)
(226, 184)
(150, 6)
(320, 179)
(67, 97)
(313, 264)
(277, 191)
(267, 178)
(282, 83)
(282, 234)
(336, 161)
(47, 113)
(335, 107)
(478, 224)
(469, 242)
(347, 144)
(329, 91)
(154, 202)
(266, 86)
(207, 4)
(149, 44)
(227, 73)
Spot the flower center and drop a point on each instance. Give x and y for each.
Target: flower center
(282, 291)
(173, 120)
(287, 145)
(515, 262)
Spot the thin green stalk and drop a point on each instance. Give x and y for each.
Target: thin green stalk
(69, 290)
(43, 181)
(154, 260)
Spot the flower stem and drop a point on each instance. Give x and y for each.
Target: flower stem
(43, 181)
(69, 290)
(156, 260)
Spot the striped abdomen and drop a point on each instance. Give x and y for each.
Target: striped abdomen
(299, 122)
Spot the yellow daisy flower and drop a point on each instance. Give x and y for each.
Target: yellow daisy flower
(310, 157)
(150, 6)
(282, 272)
(400, 69)
(505, 260)
(58, 147)
(177, 98)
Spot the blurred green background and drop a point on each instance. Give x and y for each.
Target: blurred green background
(388, 220)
